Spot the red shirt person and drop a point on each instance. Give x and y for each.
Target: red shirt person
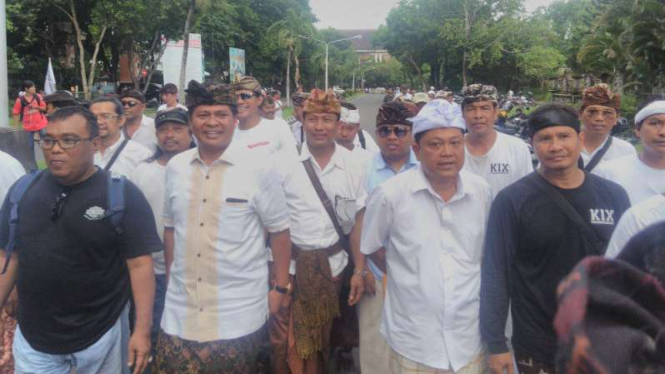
(29, 109)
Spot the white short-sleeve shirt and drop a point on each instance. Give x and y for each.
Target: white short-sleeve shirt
(618, 149)
(638, 179)
(433, 257)
(149, 177)
(265, 139)
(634, 220)
(218, 286)
(508, 161)
(10, 171)
(130, 157)
(146, 134)
(343, 180)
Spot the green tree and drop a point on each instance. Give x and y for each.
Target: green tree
(541, 62)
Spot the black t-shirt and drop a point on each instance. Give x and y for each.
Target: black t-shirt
(531, 245)
(72, 278)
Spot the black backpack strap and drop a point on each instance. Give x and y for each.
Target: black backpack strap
(116, 201)
(115, 155)
(599, 156)
(325, 200)
(20, 188)
(361, 137)
(598, 243)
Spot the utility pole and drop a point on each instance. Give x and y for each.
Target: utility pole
(4, 91)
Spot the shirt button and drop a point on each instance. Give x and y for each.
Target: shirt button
(207, 177)
(205, 200)
(200, 279)
(198, 255)
(201, 224)
(200, 309)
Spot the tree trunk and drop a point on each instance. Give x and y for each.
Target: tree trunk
(185, 47)
(467, 36)
(93, 62)
(288, 79)
(297, 74)
(153, 66)
(79, 42)
(132, 65)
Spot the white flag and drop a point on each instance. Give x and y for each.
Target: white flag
(49, 81)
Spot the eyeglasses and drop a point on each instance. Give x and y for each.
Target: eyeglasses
(56, 208)
(107, 117)
(245, 96)
(399, 131)
(606, 113)
(130, 104)
(67, 143)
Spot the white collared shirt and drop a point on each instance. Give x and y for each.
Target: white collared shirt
(634, 220)
(343, 180)
(619, 148)
(130, 157)
(149, 177)
(370, 144)
(10, 171)
(361, 154)
(146, 134)
(165, 108)
(638, 179)
(434, 250)
(218, 287)
(506, 162)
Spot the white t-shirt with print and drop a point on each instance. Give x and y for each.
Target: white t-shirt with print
(639, 180)
(506, 162)
(266, 138)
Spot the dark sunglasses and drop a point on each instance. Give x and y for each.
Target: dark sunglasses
(59, 202)
(245, 96)
(399, 132)
(130, 104)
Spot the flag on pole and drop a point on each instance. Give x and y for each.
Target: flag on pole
(49, 81)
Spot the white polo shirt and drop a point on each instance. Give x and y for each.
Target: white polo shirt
(508, 161)
(638, 179)
(362, 155)
(265, 139)
(10, 171)
(343, 180)
(434, 250)
(149, 177)
(130, 157)
(146, 134)
(618, 149)
(634, 220)
(298, 132)
(218, 287)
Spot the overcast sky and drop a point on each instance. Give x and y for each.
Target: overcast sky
(368, 14)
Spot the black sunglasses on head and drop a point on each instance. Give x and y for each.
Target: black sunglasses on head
(399, 131)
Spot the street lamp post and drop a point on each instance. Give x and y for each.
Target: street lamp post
(327, 44)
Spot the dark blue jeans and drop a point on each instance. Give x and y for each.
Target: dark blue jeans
(157, 311)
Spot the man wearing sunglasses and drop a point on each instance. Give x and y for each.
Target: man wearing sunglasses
(393, 131)
(260, 137)
(138, 127)
(115, 152)
(499, 158)
(599, 113)
(75, 273)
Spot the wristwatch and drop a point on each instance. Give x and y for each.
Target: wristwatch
(362, 273)
(282, 290)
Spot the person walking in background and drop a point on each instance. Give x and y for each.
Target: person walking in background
(169, 93)
(29, 110)
(138, 127)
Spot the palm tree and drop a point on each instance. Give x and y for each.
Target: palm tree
(287, 33)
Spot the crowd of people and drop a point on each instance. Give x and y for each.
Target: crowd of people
(220, 238)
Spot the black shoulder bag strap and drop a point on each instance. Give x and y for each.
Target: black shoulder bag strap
(361, 137)
(325, 201)
(115, 155)
(599, 245)
(598, 156)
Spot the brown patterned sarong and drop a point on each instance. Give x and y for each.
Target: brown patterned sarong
(6, 356)
(245, 355)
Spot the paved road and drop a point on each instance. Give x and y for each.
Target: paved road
(369, 106)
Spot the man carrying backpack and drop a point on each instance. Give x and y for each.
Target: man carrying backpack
(29, 110)
(77, 243)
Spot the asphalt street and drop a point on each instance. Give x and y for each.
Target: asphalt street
(369, 106)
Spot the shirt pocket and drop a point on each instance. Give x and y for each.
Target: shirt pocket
(235, 220)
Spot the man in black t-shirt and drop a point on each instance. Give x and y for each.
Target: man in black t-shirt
(73, 271)
(539, 229)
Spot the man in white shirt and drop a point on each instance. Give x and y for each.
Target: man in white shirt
(300, 332)
(138, 127)
(258, 136)
(599, 113)
(498, 158)
(432, 301)
(174, 137)
(637, 218)
(643, 175)
(277, 98)
(218, 213)
(349, 130)
(115, 152)
(169, 93)
(393, 130)
(10, 171)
